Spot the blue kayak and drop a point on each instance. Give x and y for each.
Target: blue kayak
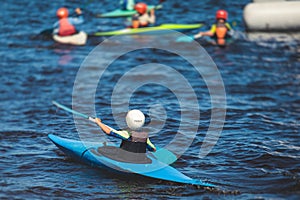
(114, 158)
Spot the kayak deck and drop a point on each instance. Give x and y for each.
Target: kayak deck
(163, 27)
(88, 153)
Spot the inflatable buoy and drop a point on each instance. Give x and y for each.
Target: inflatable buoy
(269, 1)
(279, 16)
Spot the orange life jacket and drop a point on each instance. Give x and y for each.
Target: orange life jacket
(66, 28)
(221, 31)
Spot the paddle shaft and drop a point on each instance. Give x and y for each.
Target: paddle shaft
(161, 1)
(73, 111)
(159, 4)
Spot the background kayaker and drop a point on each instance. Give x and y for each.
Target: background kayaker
(134, 140)
(220, 30)
(66, 25)
(127, 4)
(142, 18)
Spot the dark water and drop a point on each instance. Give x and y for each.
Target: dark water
(256, 157)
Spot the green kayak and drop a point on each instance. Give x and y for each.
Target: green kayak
(163, 27)
(125, 13)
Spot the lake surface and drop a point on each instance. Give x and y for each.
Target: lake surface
(256, 156)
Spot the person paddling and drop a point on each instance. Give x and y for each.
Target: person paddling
(127, 4)
(133, 140)
(65, 25)
(219, 30)
(142, 18)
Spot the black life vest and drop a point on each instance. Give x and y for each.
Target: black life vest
(137, 142)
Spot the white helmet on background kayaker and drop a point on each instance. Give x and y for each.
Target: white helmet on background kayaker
(221, 14)
(141, 8)
(62, 13)
(135, 119)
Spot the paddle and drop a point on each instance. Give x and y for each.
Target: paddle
(163, 155)
(73, 111)
(159, 5)
(185, 38)
(48, 31)
(77, 113)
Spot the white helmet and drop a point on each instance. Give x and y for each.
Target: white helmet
(135, 119)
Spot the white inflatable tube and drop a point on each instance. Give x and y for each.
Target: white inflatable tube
(266, 1)
(273, 16)
(76, 39)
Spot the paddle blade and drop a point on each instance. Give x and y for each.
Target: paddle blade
(70, 110)
(47, 31)
(165, 156)
(185, 39)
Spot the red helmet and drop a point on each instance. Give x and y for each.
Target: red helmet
(141, 8)
(221, 14)
(62, 13)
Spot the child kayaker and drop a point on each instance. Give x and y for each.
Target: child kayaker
(142, 18)
(134, 140)
(220, 30)
(127, 4)
(65, 25)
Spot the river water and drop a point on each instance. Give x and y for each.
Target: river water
(256, 156)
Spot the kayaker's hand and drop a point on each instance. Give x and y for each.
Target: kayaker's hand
(105, 128)
(152, 11)
(199, 35)
(78, 11)
(98, 120)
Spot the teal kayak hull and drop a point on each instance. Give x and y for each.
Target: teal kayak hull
(125, 13)
(88, 153)
(151, 29)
